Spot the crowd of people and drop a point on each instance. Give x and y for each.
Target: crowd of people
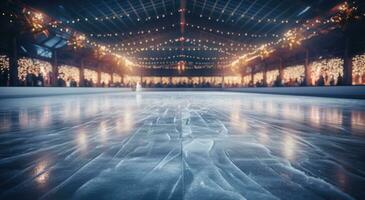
(37, 79)
(32, 79)
(181, 84)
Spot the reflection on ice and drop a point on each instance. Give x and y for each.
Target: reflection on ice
(41, 173)
(182, 146)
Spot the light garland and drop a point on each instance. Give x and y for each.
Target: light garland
(113, 18)
(228, 33)
(36, 20)
(248, 17)
(181, 56)
(306, 31)
(292, 39)
(358, 70)
(41, 22)
(77, 41)
(129, 35)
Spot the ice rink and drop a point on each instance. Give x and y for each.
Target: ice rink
(182, 145)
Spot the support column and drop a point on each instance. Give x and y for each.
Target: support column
(13, 62)
(252, 75)
(82, 75)
(242, 81)
(307, 70)
(98, 83)
(281, 69)
(54, 76)
(223, 81)
(264, 77)
(347, 64)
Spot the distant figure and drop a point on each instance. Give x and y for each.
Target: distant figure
(296, 82)
(68, 82)
(61, 82)
(339, 79)
(29, 79)
(138, 87)
(326, 79)
(277, 82)
(303, 81)
(40, 80)
(320, 81)
(332, 81)
(73, 83)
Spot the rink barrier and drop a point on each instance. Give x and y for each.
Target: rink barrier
(21, 92)
(355, 92)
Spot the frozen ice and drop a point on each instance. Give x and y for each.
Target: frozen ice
(187, 145)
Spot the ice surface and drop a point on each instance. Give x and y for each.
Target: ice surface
(189, 145)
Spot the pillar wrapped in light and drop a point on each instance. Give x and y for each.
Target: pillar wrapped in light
(4, 64)
(328, 68)
(358, 70)
(117, 78)
(67, 73)
(33, 66)
(271, 76)
(105, 78)
(294, 72)
(91, 75)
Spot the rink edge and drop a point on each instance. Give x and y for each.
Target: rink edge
(353, 92)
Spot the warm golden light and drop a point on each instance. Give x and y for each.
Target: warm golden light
(292, 39)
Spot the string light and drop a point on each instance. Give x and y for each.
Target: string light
(116, 17)
(131, 33)
(306, 31)
(228, 33)
(37, 21)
